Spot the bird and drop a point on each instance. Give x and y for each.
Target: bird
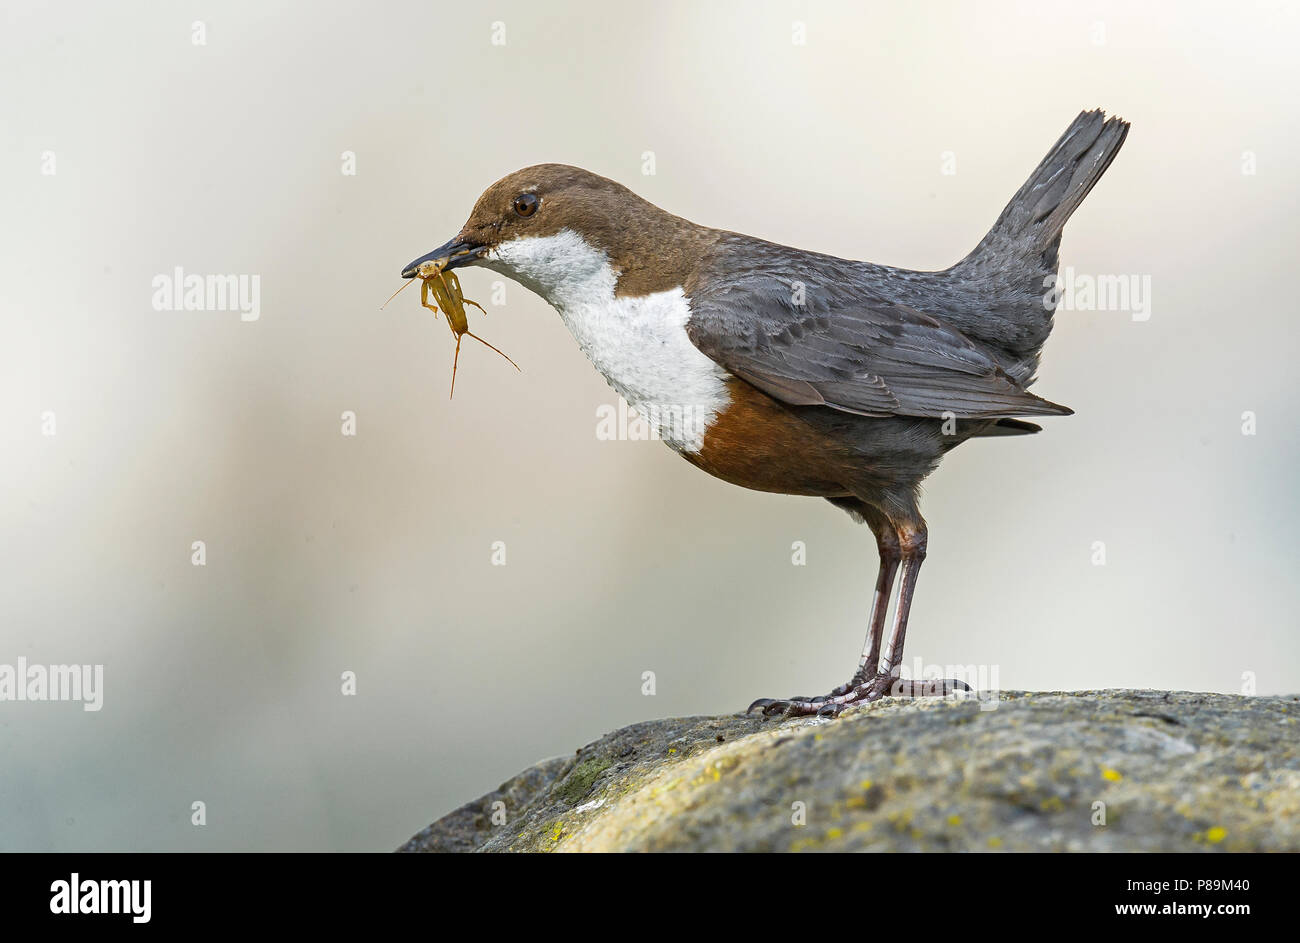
(794, 372)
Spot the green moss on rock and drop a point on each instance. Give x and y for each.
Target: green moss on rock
(581, 778)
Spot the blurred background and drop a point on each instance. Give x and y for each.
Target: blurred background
(214, 137)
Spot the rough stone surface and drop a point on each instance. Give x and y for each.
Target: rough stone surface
(1080, 771)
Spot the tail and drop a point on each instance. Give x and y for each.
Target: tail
(1033, 220)
(1007, 271)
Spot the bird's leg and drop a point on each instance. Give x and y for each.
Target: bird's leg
(913, 539)
(890, 554)
(913, 544)
(888, 548)
(884, 677)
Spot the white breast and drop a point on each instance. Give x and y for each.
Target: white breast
(639, 344)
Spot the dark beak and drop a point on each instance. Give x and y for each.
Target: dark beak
(455, 253)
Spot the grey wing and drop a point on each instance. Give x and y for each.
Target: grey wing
(859, 354)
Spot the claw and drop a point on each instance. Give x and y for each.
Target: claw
(856, 692)
(935, 687)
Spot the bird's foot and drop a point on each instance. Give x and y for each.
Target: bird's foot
(856, 691)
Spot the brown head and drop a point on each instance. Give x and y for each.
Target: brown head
(551, 224)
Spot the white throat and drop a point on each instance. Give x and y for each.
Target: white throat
(639, 344)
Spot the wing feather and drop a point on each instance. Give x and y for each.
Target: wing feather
(851, 350)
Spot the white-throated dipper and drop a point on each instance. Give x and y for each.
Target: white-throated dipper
(794, 372)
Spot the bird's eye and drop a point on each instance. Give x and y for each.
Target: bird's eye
(526, 204)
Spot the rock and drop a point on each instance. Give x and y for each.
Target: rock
(1081, 771)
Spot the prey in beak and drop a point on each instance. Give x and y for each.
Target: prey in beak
(448, 256)
(440, 291)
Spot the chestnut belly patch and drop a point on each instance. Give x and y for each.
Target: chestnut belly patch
(758, 443)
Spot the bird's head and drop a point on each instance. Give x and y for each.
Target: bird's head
(557, 229)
